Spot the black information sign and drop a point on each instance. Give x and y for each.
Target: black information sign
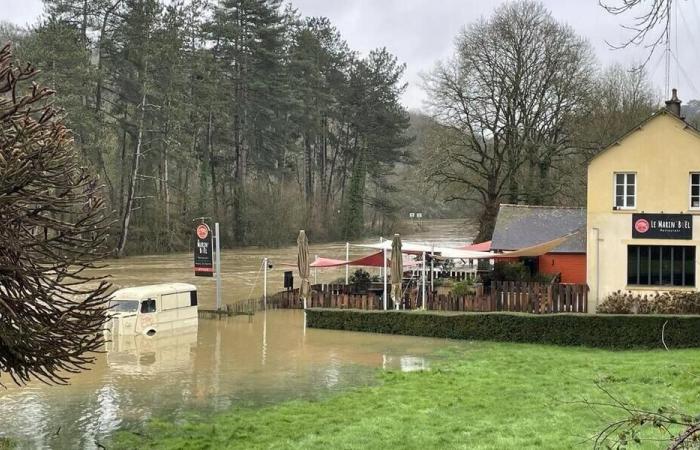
(289, 279)
(203, 252)
(662, 226)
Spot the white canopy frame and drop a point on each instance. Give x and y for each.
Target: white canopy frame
(456, 253)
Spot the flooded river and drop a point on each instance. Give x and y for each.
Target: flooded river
(237, 361)
(242, 276)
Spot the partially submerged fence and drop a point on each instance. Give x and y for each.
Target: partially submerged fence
(534, 298)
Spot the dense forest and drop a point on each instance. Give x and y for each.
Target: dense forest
(239, 110)
(247, 112)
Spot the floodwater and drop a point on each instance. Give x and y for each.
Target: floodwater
(242, 275)
(236, 361)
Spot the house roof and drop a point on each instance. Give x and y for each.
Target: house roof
(519, 226)
(660, 112)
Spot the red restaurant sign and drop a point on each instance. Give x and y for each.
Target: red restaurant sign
(203, 252)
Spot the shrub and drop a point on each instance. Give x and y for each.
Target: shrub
(361, 280)
(510, 271)
(462, 288)
(605, 331)
(518, 271)
(447, 283)
(675, 302)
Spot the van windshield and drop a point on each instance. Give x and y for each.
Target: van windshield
(124, 305)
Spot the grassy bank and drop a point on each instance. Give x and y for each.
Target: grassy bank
(481, 395)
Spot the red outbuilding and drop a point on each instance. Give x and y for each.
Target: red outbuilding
(520, 226)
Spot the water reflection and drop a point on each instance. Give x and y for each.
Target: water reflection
(220, 364)
(166, 351)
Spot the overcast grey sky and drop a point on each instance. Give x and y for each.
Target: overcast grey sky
(420, 32)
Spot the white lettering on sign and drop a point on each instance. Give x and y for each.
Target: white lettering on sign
(680, 224)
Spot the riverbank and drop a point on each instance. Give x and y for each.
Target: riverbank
(481, 395)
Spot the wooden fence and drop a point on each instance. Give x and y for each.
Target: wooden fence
(540, 298)
(534, 298)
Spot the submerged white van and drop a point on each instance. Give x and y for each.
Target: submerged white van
(151, 309)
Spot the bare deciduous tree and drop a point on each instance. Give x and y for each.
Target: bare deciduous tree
(645, 25)
(505, 103)
(52, 228)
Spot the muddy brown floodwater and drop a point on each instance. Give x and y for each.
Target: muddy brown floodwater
(242, 276)
(235, 361)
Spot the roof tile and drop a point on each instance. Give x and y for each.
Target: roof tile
(520, 226)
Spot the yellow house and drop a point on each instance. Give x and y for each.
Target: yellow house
(644, 209)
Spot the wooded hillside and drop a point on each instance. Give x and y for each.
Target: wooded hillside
(239, 110)
(267, 121)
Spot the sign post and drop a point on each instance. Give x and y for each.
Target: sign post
(218, 266)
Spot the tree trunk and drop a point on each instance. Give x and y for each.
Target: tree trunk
(166, 190)
(212, 166)
(122, 163)
(103, 30)
(239, 123)
(487, 219)
(129, 204)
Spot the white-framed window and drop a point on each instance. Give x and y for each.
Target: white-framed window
(695, 190)
(625, 190)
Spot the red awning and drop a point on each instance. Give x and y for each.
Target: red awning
(373, 260)
(480, 247)
(328, 262)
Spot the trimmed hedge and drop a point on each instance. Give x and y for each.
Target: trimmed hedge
(605, 331)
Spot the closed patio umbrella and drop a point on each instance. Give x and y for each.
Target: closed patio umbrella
(396, 269)
(303, 265)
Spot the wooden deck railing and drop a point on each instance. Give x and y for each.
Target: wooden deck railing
(538, 298)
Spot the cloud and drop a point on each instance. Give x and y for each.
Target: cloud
(421, 32)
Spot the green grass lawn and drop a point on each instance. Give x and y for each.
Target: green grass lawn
(480, 395)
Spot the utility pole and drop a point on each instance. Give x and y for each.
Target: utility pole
(347, 258)
(217, 237)
(381, 241)
(423, 286)
(265, 283)
(667, 74)
(384, 302)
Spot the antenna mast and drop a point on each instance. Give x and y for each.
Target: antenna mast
(667, 73)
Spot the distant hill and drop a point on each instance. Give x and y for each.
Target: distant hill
(691, 111)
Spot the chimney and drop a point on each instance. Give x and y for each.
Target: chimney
(674, 105)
